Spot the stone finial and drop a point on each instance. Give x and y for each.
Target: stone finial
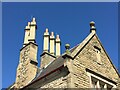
(67, 46)
(92, 26)
(92, 23)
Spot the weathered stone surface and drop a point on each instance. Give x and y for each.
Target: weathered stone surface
(73, 74)
(78, 76)
(118, 84)
(87, 59)
(46, 59)
(26, 71)
(57, 79)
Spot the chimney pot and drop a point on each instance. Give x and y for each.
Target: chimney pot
(46, 41)
(52, 43)
(27, 32)
(33, 28)
(58, 44)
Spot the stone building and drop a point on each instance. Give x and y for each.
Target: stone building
(86, 65)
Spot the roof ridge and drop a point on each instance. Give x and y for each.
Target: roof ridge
(81, 45)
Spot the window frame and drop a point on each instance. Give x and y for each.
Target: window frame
(90, 74)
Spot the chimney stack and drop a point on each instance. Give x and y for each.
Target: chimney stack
(27, 34)
(46, 41)
(48, 54)
(52, 43)
(33, 28)
(92, 27)
(58, 44)
(28, 58)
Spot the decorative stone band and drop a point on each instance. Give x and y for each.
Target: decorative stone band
(46, 36)
(52, 38)
(33, 25)
(58, 42)
(92, 29)
(45, 50)
(67, 56)
(27, 45)
(33, 62)
(48, 54)
(32, 40)
(27, 29)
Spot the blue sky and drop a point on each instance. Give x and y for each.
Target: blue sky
(69, 20)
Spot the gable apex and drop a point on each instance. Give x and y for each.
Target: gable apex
(81, 46)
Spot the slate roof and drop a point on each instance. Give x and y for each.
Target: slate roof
(58, 62)
(52, 66)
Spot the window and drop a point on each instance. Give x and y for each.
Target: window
(98, 81)
(98, 51)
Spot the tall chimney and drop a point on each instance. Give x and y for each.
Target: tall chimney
(52, 43)
(47, 57)
(27, 33)
(46, 41)
(33, 30)
(58, 43)
(27, 67)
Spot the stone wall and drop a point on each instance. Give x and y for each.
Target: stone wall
(46, 59)
(88, 58)
(57, 79)
(26, 71)
(58, 83)
(118, 85)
